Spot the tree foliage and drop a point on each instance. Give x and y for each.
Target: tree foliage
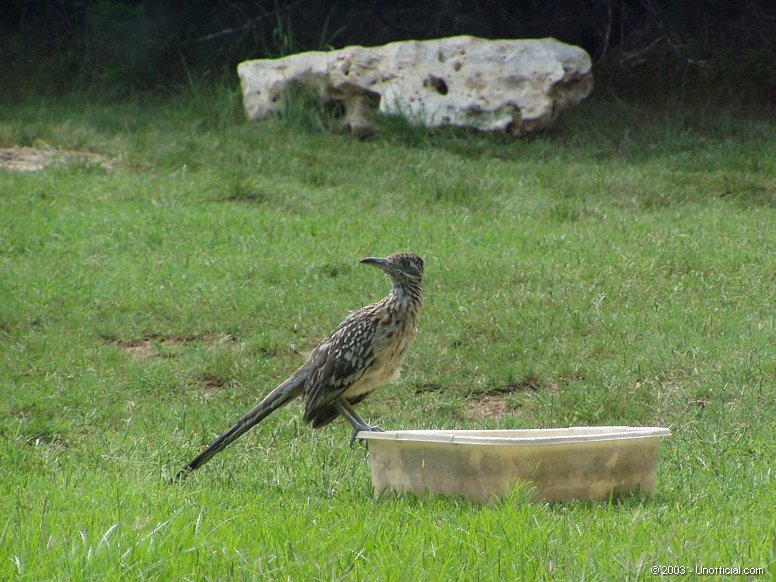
(130, 44)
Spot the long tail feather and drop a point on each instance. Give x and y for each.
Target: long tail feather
(278, 397)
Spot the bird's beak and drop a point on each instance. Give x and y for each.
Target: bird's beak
(384, 264)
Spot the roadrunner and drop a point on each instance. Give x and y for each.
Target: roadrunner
(364, 352)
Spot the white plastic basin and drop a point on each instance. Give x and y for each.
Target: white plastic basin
(589, 463)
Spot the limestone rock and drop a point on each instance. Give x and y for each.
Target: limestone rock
(514, 86)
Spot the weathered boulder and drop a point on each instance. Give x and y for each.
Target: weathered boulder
(514, 86)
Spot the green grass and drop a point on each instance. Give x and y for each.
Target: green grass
(620, 269)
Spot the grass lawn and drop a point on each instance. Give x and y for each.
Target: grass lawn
(619, 269)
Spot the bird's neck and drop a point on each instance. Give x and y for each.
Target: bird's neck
(407, 295)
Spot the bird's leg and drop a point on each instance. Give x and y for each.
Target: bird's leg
(349, 413)
(353, 417)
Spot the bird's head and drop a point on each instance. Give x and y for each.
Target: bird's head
(400, 267)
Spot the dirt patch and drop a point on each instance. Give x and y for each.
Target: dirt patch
(428, 387)
(34, 159)
(209, 339)
(494, 403)
(528, 384)
(208, 383)
(488, 406)
(145, 347)
(140, 348)
(253, 196)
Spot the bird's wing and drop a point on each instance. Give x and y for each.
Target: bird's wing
(339, 362)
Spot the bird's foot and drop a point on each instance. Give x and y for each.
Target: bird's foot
(364, 428)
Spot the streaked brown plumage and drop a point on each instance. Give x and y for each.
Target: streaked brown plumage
(364, 352)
